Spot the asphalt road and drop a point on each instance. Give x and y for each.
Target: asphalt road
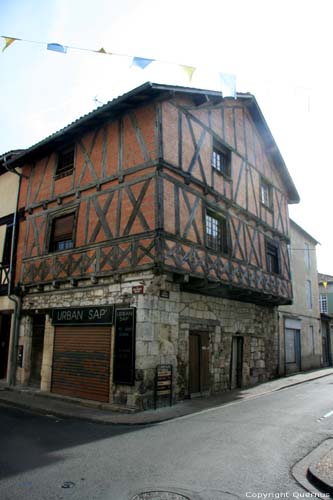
(243, 450)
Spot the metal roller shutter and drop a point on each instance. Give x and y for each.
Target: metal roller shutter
(81, 362)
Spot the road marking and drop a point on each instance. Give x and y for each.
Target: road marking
(329, 414)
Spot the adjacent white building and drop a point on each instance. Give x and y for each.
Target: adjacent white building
(299, 323)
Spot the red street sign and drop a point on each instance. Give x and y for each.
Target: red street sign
(137, 290)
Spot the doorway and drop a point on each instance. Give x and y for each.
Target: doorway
(198, 363)
(326, 345)
(292, 350)
(5, 323)
(37, 344)
(236, 362)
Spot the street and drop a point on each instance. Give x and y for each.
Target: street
(240, 450)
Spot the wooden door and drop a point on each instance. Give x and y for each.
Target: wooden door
(5, 322)
(37, 346)
(198, 363)
(236, 362)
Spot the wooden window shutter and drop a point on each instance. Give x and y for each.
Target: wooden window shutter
(63, 228)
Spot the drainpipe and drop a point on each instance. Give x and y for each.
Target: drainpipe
(17, 302)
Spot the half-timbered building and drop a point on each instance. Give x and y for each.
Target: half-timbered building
(155, 233)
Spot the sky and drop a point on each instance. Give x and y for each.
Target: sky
(280, 51)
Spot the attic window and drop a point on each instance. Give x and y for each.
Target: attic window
(65, 162)
(221, 159)
(266, 194)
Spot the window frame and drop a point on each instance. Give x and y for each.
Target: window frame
(50, 229)
(224, 155)
(7, 245)
(269, 189)
(321, 302)
(223, 245)
(272, 249)
(65, 172)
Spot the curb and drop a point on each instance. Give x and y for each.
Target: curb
(305, 473)
(113, 420)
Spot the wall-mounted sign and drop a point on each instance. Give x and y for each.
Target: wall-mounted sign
(163, 383)
(164, 294)
(124, 347)
(137, 289)
(94, 315)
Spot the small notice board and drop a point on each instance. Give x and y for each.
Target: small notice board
(163, 383)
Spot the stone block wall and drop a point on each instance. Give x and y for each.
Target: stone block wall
(163, 326)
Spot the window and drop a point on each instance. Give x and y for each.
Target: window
(266, 194)
(7, 246)
(217, 233)
(65, 162)
(62, 233)
(308, 294)
(272, 258)
(307, 256)
(323, 304)
(221, 159)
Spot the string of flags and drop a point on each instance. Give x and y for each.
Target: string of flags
(228, 82)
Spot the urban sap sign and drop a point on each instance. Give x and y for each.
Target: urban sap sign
(99, 315)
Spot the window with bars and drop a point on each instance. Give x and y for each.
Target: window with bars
(266, 194)
(62, 233)
(65, 162)
(323, 304)
(272, 258)
(217, 233)
(221, 159)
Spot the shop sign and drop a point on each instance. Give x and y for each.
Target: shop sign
(94, 315)
(124, 349)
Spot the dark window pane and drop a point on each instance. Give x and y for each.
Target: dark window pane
(65, 165)
(221, 161)
(216, 234)
(7, 245)
(272, 258)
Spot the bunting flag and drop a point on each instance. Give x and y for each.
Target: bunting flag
(141, 62)
(228, 82)
(325, 284)
(189, 70)
(56, 47)
(8, 41)
(228, 85)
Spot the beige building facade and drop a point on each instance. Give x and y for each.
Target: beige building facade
(299, 323)
(9, 186)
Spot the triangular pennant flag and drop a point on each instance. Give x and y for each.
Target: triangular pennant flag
(228, 85)
(189, 70)
(141, 62)
(101, 51)
(56, 47)
(325, 284)
(8, 41)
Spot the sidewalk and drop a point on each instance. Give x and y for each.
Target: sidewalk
(320, 472)
(46, 403)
